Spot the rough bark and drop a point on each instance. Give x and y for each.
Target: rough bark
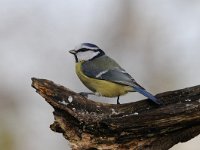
(87, 124)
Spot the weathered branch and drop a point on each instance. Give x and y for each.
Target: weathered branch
(139, 125)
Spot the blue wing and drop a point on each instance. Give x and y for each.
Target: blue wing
(147, 94)
(109, 70)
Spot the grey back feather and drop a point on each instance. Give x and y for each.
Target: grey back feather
(105, 68)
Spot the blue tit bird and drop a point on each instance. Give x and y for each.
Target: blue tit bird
(103, 75)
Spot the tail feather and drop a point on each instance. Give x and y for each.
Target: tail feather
(147, 94)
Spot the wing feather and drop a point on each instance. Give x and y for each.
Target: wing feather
(108, 70)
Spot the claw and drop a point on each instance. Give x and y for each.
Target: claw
(84, 94)
(118, 100)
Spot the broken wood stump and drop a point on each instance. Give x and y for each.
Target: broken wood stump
(87, 124)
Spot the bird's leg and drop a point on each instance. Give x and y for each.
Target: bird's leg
(118, 100)
(85, 94)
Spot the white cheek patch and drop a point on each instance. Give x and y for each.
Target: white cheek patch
(86, 55)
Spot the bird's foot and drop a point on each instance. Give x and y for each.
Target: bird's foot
(85, 94)
(118, 100)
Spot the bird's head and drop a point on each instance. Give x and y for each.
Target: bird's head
(86, 51)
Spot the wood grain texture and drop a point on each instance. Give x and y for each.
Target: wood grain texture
(87, 124)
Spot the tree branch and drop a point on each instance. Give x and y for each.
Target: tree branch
(87, 124)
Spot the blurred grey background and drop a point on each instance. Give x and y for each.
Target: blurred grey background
(157, 42)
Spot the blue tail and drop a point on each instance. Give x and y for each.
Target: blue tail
(147, 94)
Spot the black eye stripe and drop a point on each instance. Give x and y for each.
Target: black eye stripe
(85, 49)
(101, 53)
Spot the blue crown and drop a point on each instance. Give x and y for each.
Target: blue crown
(90, 45)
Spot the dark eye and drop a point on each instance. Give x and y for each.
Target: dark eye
(83, 50)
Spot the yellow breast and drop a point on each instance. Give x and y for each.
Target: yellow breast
(104, 88)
